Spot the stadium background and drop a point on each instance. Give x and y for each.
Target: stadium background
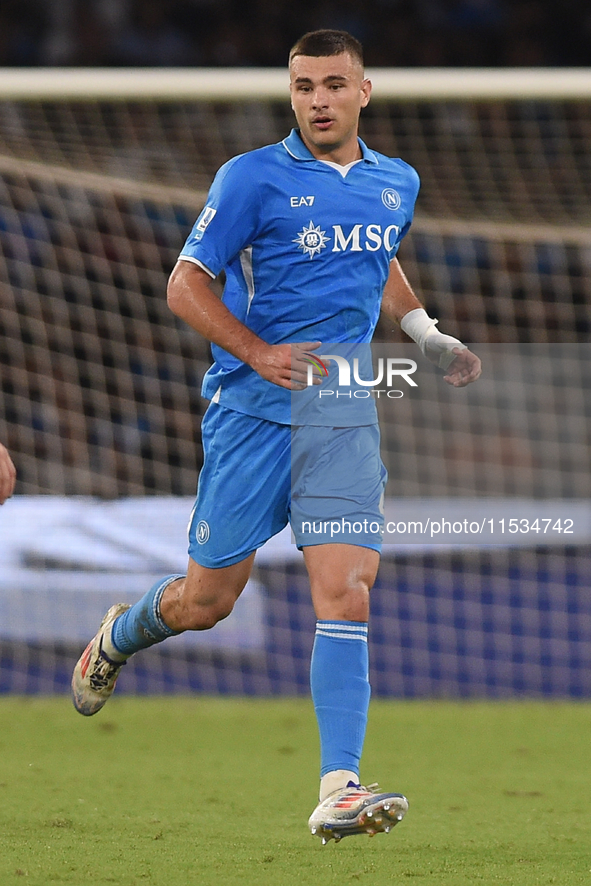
(260, 32)
(99, 401)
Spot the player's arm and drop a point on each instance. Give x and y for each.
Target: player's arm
(191, 298)
(7, 475)
(399, 303)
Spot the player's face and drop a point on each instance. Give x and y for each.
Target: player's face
(327, 95)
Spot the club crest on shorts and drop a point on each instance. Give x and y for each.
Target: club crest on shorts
(203, 532)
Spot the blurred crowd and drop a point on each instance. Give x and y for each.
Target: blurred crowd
(260, 32)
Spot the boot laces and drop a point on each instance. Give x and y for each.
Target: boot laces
(105, 672)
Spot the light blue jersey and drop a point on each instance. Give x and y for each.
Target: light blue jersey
(306, 247)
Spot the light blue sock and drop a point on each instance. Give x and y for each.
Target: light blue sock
(339, 679)
(142, 625)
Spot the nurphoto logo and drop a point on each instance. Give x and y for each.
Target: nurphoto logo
(390, 370)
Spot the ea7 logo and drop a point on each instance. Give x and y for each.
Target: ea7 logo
(294, 202)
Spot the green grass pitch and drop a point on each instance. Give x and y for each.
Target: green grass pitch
(177, 792)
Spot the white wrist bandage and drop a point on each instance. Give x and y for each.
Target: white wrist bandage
(435, 345)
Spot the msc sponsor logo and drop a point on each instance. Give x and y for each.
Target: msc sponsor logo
(371, 238)
(311, 240)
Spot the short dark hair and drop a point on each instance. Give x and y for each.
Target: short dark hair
(327, 42)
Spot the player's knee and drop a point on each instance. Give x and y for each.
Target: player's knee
(205, 597)
(202, 613)
(354, 602)
(346, 601)
(353, 586)
(208, 617)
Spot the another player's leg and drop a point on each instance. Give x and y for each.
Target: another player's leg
(177, 603)
(341, 577)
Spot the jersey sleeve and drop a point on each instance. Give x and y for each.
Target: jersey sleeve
(412, 192)
(229, 220)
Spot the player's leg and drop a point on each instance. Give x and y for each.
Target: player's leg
(242, 501)
(205, 596)
(338, 482)
(341, 577)
(192, 602)
(337, 517)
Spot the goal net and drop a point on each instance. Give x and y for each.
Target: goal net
(101, 177)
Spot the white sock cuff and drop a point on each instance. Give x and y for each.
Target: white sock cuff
(332, 781)
(342, 630)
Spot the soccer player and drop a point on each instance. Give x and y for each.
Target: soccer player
(7, 475)
(307, 233)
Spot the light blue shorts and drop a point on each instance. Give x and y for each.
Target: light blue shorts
(258, 475)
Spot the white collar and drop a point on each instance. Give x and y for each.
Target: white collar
(342, 169)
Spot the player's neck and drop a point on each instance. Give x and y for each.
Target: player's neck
(341, 154)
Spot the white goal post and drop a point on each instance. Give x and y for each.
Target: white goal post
(248, 84)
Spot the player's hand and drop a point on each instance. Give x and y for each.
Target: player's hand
(7, 475)
(465, 368)
(438, 347)
(287, 365)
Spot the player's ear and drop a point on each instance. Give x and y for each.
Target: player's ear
(365, 93)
